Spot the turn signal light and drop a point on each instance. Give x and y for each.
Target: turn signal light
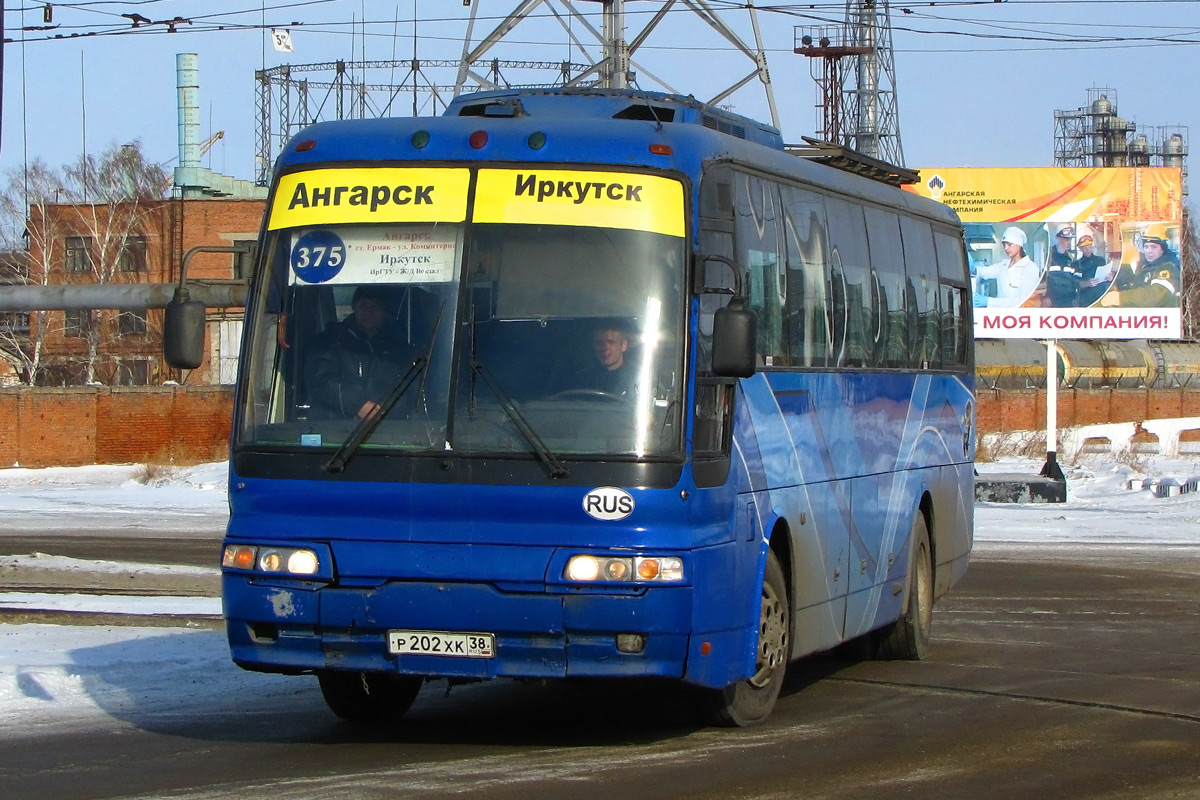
(239, 556)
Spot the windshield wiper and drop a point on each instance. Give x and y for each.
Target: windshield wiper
(552, 462)
(366, 426)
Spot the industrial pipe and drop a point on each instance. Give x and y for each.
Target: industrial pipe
(122, 296)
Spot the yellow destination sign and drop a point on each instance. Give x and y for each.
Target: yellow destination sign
(333, 196)
(535, 196)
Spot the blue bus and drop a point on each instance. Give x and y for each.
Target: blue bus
(579, 383)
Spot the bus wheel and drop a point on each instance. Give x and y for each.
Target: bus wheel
(749, 702)
(908, 637)
(368, 698)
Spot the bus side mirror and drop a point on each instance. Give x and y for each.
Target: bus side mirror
(183, 331)
(734, 335)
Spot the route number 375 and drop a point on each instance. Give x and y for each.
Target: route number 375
(306, 257)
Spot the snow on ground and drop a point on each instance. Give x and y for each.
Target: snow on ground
(112, 604)
(61, 677)
(103, 497)
(48, 563)
(1100, 509)
(54, 675)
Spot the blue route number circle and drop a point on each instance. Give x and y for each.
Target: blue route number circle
(318, 256)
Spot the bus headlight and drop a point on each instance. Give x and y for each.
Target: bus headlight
(587, 568)
(302, 562)
(272, 560)
(582, 568)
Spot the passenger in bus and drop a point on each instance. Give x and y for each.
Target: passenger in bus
(1016, 275)
(612, 372)
(355, 363)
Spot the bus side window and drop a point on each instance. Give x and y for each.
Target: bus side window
(806, 243)
(716, 238)
(921, 271)
(887, 264)
(850, 284)
(954, 280)
(757, 219)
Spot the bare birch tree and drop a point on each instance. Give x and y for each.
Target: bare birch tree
(1189, 277)
(28, 232)
(85, 222)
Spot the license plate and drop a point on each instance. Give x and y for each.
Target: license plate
(442, 643)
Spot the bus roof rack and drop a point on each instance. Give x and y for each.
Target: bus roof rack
(839, 157)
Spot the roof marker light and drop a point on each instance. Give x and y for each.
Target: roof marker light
(420, 139)
(537, 140)
(305, 146)
(478, 139)
(661, 150)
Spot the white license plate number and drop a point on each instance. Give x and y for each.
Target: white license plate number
(442, 643)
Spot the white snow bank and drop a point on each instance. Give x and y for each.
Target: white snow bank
(112, 603)
(49, 563)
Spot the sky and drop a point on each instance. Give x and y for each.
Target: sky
(55, 676)
(977, 81)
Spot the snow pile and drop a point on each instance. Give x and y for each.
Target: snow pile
(1100, 510)
(107, 496)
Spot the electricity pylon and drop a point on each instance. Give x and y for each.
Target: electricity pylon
(616, 67)
(293, 96)
(855, 72)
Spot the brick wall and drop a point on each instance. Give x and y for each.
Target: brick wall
(190, 424)
(44, 427)
(1025, 409)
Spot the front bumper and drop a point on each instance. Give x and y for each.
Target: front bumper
(295, 626)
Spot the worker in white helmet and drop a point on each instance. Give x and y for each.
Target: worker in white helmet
(1015, 276)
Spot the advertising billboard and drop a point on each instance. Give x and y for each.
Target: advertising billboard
(1069, 252)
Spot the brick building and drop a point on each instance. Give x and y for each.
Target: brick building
(134, 242)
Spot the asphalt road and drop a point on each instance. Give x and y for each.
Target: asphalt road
(190, 548)
(1068, 679)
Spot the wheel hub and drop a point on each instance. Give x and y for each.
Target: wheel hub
(772, 637)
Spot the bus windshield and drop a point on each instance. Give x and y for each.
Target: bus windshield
(510, 340)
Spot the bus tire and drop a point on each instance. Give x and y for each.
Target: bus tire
(368, 698)
(749, 702)
(908, 637)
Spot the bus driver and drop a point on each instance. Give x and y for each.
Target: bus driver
(612, 372)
